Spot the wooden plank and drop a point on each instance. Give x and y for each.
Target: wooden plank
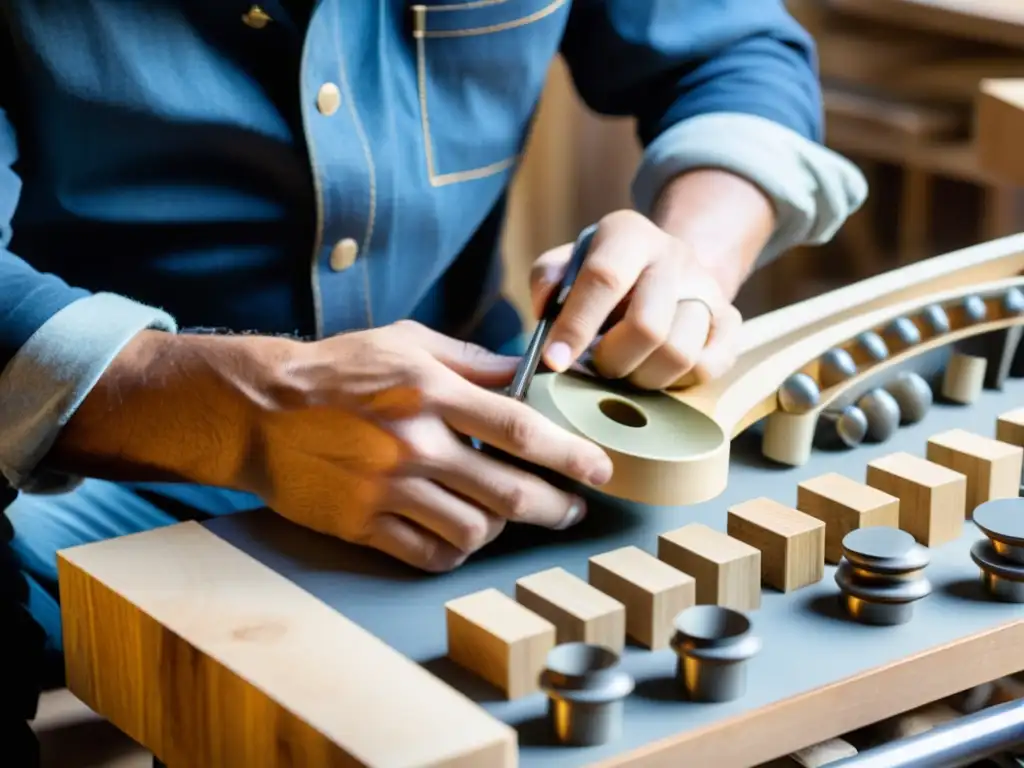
(209, 658)
(833, 710)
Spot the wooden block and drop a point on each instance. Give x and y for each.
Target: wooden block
(792, 543)
(495, 637)
(964, 377)
(654, 593)
(1010, 427)
(845, 505)
(933, 498)
(728, 571)
(211, 658)
(992, 467)
(580, 612)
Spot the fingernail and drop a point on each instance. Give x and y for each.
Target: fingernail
(577, 511)
(602, 475)
(559, 356)
(549, 276)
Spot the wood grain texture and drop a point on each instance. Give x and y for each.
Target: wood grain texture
(502, 641)
(964, 378)
(992, 467)
(580, 612)
(652, 591)
(845, 505)
(1010, 427)
(792, 543)
(209, 658)
(933, 498)
(728, 571)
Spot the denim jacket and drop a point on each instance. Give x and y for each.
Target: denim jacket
(288, 170)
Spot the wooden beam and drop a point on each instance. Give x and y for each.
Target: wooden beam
(1000, 129)
(208, 657)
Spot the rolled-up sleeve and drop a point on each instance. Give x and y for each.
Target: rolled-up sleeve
(728, 84)
(55, 343)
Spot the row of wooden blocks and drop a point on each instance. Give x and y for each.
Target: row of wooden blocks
(632, 593)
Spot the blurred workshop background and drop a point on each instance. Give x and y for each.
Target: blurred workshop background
(901, 80)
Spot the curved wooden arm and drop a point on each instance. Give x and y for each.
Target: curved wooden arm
(674, 447)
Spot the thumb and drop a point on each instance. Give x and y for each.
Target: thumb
(470, 361)
(547, 270)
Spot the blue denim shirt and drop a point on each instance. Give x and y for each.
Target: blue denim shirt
(213, 163)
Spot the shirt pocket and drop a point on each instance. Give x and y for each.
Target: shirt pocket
(480, 68)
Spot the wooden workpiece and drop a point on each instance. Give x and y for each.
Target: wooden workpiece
(653, 592)
(964, 377)
(845, 505)
(728, 571)
(1010, 427)
(792, 543)
(580, 612)
(500, 640)
(933, 498)
(992, 467)
(641, 431)
(214, 659)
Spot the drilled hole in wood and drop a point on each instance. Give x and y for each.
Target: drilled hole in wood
(622, 412)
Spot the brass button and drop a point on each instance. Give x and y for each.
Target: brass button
(256, 18)
(344, 254)
(328, 99)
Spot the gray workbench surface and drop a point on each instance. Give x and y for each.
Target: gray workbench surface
(807, 641)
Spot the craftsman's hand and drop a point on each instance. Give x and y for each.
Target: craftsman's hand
(443, 500)
(667, 314)
(358, 436)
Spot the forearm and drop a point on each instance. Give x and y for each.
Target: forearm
(172, 408)
(724, 218)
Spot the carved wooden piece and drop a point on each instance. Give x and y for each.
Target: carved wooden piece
(992, 468)
(728, 571)
(503, 642)
(580, 612)
(652, 591)
(792, 543)
(680, 454)
(933, 498)
(845, 505)
(964, 378)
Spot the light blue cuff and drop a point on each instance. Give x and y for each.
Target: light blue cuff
(43, 385)
(813, 189)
